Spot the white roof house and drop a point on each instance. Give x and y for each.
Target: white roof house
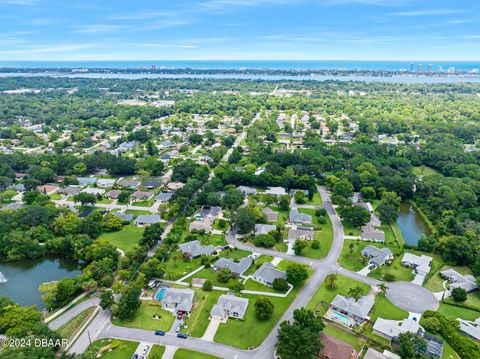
(236, 267)
(357, 309)
(93, 190)
(176, 299)
(370, 233)
(106, 182)
(420, 264)
(267, 273)
(301, 233)
(264, 229)
(393, 328)
(147, 219)
(276, 191)
(470, 329)
(195, 249)
(229, 306)
(457, 280)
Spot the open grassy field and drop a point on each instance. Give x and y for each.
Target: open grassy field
(198, 321)
(395, 268)
(144, 318)
(189, 354)
(454, 312)
(124, 350)
(125, 238)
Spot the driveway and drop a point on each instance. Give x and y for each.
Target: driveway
(211, 330)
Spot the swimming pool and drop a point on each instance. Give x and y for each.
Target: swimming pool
(339, 317)
(160, 294)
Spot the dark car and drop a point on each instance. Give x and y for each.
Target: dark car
(182, 336)
(135, 356)
(180, 315)
(159, 332)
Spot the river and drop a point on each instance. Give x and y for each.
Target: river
(24, 277)
(411, 224)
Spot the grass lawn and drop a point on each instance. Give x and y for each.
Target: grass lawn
(435, 282)
(281, 247)
(354, 261)
(137, 212)
(349, 230)
(124, 350)
(395, 268)
(390, 239)
(473, 300)
(316, 200)
(176, 269)
(148, 203)
(424, 171)
(282, 215)
(198, 320)
(216, 225)
(343, 335)
(207, 273)
(125, 238)
(190, 354)
(69, 328)
(325, 294)
(448, 352)
(397, 233)
(258, 262)
(253, 285)
(452, 311)
(251, 332)
(156, 352)
(216, 240)
(234, 253)
(144, 318)
(383, 308)
(105, 201)
(55, 196)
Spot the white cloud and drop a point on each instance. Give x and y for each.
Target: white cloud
(428, 12)
(19, 2)
(99, 29)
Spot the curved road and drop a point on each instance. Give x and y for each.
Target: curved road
(408, 296)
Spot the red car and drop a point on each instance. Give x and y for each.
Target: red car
(180, 315)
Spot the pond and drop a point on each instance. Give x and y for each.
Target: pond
(20, 280)
(411, 224)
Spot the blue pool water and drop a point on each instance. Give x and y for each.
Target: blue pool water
(160, 294)
(342, 318)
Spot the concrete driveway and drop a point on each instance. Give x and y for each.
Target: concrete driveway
(211, 330)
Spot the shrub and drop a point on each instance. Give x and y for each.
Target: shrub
(315, 244)
(459, 294)
(280, 284)
(322, 219)
(389, 277)
(224, 275)
(207, 286)
(263, 308)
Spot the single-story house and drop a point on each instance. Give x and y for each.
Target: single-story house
(267, 273)
(164, 196)
(152, 184)
(377, 256)
(205, 224)
(458, 280)
(113, 194)
(373, 354)
(358, 310)
(229, 306)
(178, 300)
(147, 219)
(264, 228)
(85, 181)
(366, 205)
(470, 329)
(92, 190)
(69, 190)
(130, 183)
(393, 328)
(126, 217)
(12, 206)
(334, 348)
(420, 264)
(173, 186)
(195, 249)
(272, 216)
(276, 191)
(299, 217)
(246, 190)
(106, 182)
(141, 196)
(236, 267)
(370, 233)
(48, 189)
(301, 233)
(20, 175)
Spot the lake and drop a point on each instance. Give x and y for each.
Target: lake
(411, 224)
(24, 277)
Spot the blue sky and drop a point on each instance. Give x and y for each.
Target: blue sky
(239, 29)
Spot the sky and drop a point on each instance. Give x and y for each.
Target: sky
(239, 30)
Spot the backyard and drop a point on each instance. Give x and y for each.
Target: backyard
(198, 320)
(125, 238)
(144, 318)
(122, 349)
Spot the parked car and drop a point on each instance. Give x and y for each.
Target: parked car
(179, 327)
(182, 335)
(179, 315)
(135, 356)
(159, 332)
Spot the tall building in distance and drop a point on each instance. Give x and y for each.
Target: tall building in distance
(412, 67)
(429, 68)
(420, 69)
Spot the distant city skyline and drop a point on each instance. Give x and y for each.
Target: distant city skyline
(397, 30)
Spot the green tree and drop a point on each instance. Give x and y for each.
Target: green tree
(355, 292)
(106, 298)
(331, 280)
(263, 308)
(244, 220)
(459, 294)
(296, 273)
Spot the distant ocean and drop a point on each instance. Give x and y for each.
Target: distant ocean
(237, 64)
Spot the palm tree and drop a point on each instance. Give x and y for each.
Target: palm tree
(331, 280)
(383, 288)
(355, 292)
(351, 246)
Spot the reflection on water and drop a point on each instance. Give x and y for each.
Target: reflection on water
(411, 224)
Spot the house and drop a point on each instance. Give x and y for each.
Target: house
(299, 217)
(236, 267)
(92, 190)
(377, 256)
(272, 216)
(126, 217)
(20, 175)
(178, 300)
(358, 310)
(393, 328)
(365, 205)
(370, 233)
(69, 190)
(301, 233)
(48, 189)
(204, 224)
(173, 186)
(147, 219)
(85, 181)
(152, 184)
(229, 306)
(113, 194)
(246, 190)
(373, 354)
(130, 183)
(276, 191)
(470, 329)
(106, 182)
(164, 196)
(458, 280)
(374, 221)
(264, 229)
(334, 348)
(195, 249)
(420, 264)
(267, 273)
(141, 196)
(12, 206)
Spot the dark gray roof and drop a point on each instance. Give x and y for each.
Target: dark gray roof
(127, 217)
(299, 217)
(147, 219)
(195, 248)
(237, 268)
(378, 256)
(164, 196)
(269, 273)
